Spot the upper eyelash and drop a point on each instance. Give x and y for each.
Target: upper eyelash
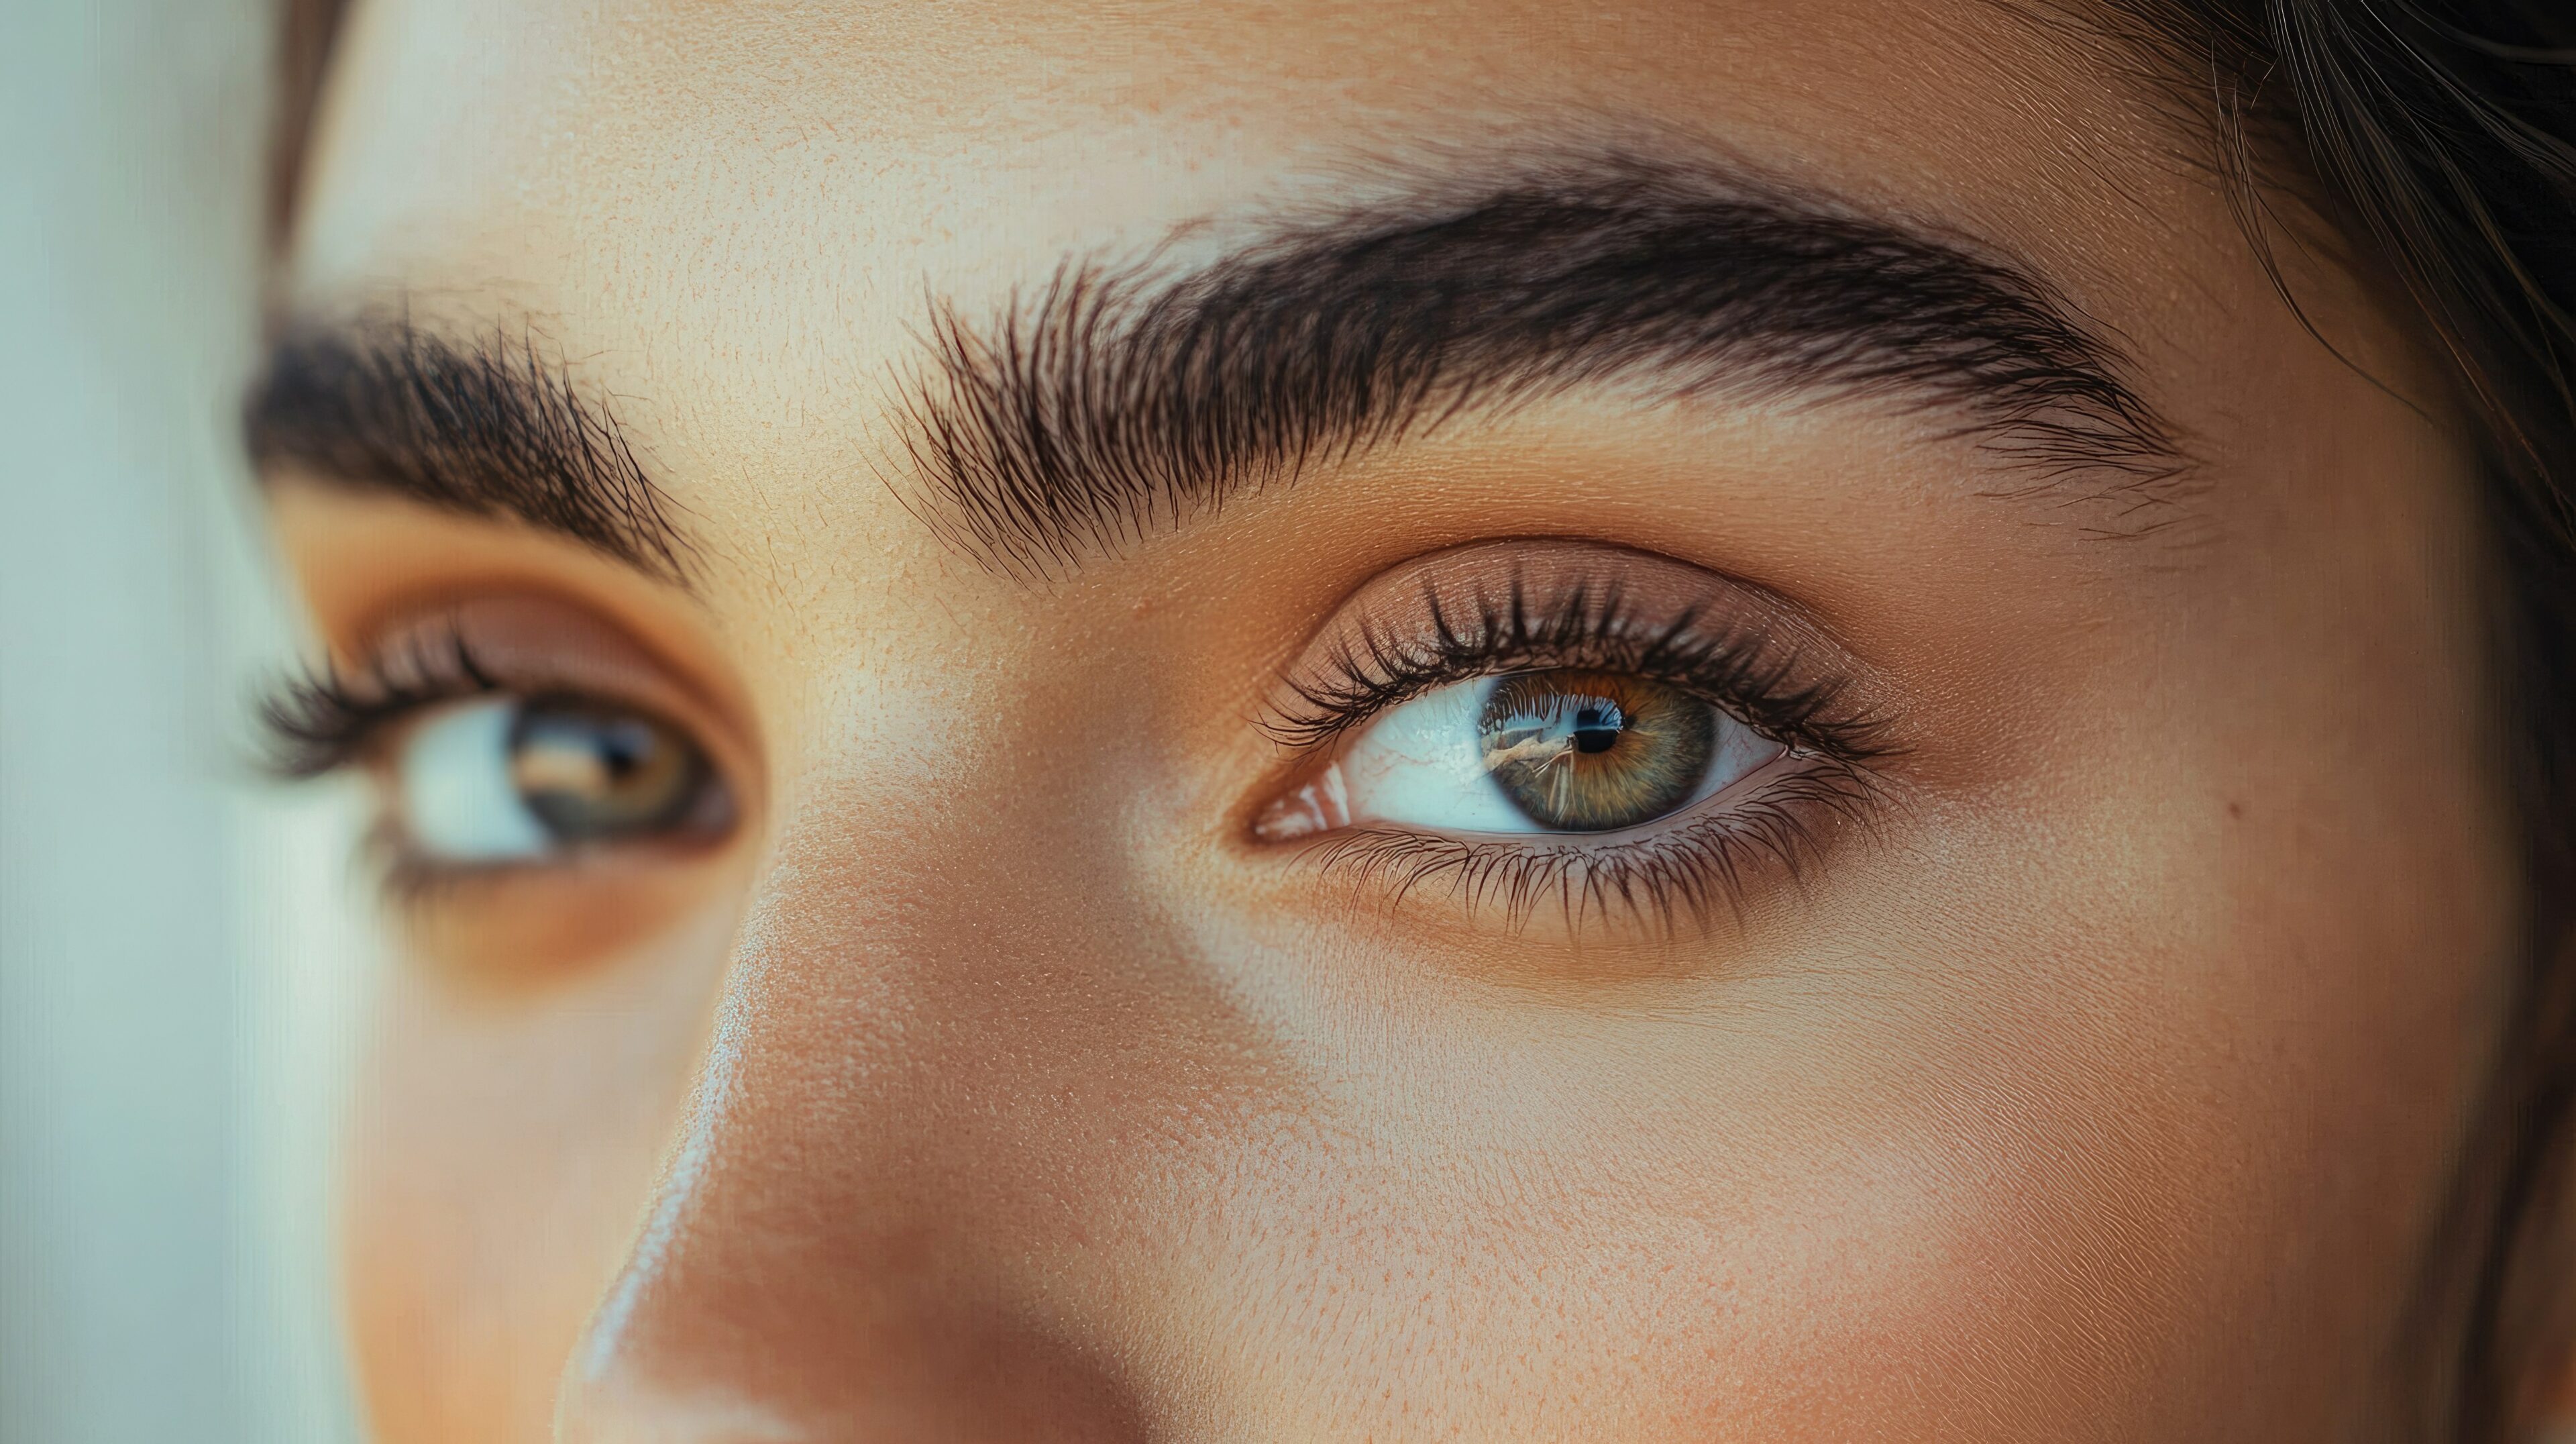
(323, 719)
(1744, 671)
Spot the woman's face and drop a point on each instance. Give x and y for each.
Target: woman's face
(1399, 721)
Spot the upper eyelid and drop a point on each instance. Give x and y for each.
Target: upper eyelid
(333, 714)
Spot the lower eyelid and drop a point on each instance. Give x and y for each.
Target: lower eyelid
(1687, 872)
(1316, 811)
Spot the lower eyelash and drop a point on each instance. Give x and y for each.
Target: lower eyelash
(1684, 875)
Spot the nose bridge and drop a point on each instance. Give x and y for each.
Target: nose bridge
(871, 1222)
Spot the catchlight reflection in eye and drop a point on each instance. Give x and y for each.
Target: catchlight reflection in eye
(503, 778)
(1564, 751)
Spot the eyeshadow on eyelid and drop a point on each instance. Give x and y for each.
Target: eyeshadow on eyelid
(534, 639)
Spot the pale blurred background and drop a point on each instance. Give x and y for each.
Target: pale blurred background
(178, 956)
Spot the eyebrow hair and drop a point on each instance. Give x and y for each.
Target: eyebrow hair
(1115, 401)
(1112, 402)
(489, 426)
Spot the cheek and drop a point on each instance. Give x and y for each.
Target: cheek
(1747, 1208)
(506, 1134)
(2082, 1134)
(2190, 1080)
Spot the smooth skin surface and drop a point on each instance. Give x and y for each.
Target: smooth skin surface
(989, 1078)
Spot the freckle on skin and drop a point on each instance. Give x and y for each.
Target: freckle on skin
(2235, 810)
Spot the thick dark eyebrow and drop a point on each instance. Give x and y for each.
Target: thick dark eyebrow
(1112, 401)
(489, 426)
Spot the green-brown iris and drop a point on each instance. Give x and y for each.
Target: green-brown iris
(595, 773)
(1582, 751)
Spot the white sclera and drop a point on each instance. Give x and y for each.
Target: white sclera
(1422, 765)
(459, 800)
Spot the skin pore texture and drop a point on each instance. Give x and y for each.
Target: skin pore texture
(2090, 1068)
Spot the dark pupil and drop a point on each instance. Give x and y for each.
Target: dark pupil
(591, 772)
(1597, 729)
(1595, 751)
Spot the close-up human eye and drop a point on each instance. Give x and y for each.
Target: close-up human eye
(1625, 736)
(1565, 750)
(1425, 720)
(510, 778)
(559, 751)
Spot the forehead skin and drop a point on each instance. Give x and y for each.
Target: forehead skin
(2104, 1096)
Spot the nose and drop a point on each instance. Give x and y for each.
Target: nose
(903, 1193)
